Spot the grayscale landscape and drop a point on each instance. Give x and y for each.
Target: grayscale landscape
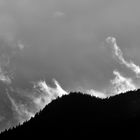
(55, 48)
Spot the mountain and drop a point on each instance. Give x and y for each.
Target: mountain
(81, 112)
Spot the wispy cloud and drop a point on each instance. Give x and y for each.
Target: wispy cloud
(121, 84)
(20, 45)
(58, 14)
(3, 77)
(96, 94)
(47, 93)
(22, 112)
(119, 54)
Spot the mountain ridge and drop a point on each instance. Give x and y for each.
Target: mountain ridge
(79, 111)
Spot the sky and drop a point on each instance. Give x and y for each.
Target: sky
(67, 41)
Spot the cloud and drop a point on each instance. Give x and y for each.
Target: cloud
(22, 113)
(59, 14)
(121, 84)
(119, 54)
(47, 93)
(49, 90)
(96, 94)
(20, 45)
(4, 77)
(44, 95)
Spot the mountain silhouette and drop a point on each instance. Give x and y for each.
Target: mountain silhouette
(82, 112)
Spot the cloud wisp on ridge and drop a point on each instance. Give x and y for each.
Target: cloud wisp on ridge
(47, 93)
(121, 84)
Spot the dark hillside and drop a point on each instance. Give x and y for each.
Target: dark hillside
(82, 112)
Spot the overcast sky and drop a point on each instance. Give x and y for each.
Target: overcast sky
(66, 40)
